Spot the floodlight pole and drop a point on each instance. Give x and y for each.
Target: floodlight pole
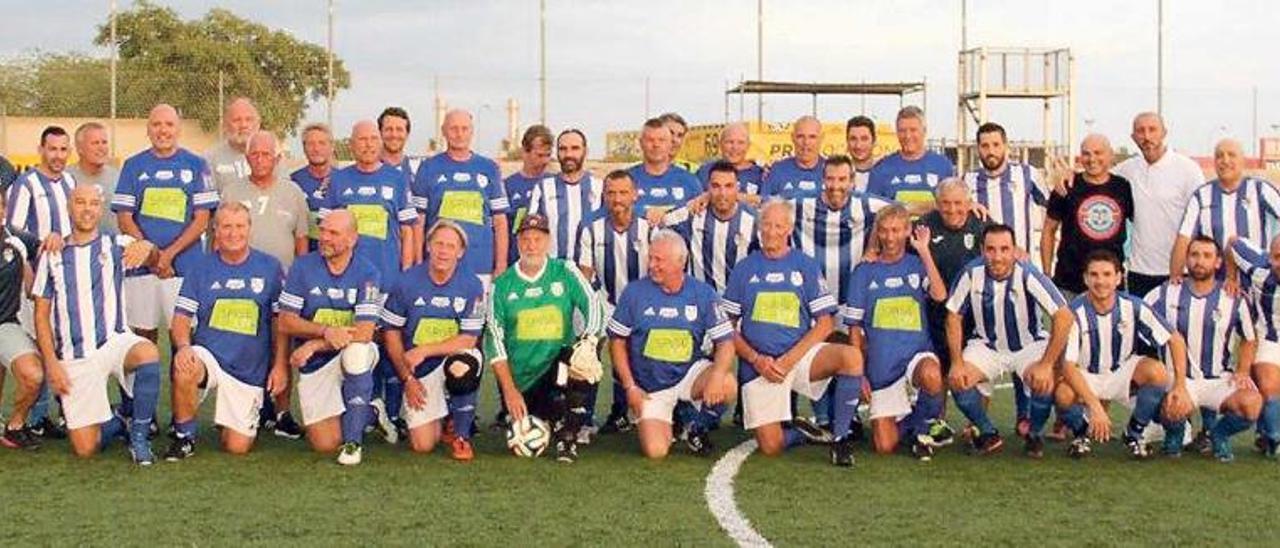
(760, 59)
(115, 55)
(329, 93)
(1160, 57)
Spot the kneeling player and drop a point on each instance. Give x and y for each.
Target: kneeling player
(530, 341)
(1004, 296)
(331, 303)
(1101, 365)
(1217, 327)
(658, 331)
(82, 289)
(1262, 270)
(886, 316)
(784, 311)
(233, 347)
(434, 319)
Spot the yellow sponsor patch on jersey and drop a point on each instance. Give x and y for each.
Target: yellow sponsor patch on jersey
(334, 318)
(463, 205)
(544, 323)
(898, 313)
(914, 196)
(235, 316)
(777, 307)
(169, 204)
(434, 331)
(371, 220)
(669, 345)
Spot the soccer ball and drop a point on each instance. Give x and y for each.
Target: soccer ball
(528, 437)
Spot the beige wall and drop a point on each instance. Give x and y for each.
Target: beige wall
(20, 136)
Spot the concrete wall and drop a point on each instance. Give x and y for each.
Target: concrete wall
(20, 136)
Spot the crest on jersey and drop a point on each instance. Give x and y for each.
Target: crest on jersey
(8, 254)
(557, 289)
(459, 304)
(388, 193)
(678, 193)
(968, 241)
(913, 280)
(351, 295)
(797, 279)
(257, 284)
(187, 176)
(482, 179)
(691, 312)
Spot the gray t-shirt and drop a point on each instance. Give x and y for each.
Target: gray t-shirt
(279, 215)
(106, 180)
(227, 165)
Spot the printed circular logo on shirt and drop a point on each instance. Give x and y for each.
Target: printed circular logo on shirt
(1099, 217)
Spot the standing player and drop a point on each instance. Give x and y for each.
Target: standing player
(679, 128)
(613, 250)
(17, 350)
(885, 312)
(433, 313)
(94, 166)
(956, 241)
(530, 333)
(1005, 297)
(393, 128)
(660, 185)
(799, 175)
(1101, 362)
(658, 335)
(82, 336)
(313, 178)
(783, 309)
(735, 142)
(240, 120)
(1221, 348)
(225, 333)
(535, 156)
(330, 305)
(164, 196)
(860, 142)
(723, 234)
(1010, 192)
(39, 198)
(910, 175)
(568, 198)
(1262, 270)
(466, 188)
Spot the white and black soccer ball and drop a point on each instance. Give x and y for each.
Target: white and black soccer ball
(528, 437)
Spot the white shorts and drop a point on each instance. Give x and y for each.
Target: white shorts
(1268, 352)
(1210, 393)
(765, 402)
(320, 391)
(237, 403)
(660, 405)
(894, 401)
(1114, 385)
(87, 403)
(14, 344)
(437, 406)
(149, 301)
(994, 363)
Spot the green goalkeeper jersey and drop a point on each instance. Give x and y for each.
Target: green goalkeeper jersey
(531, 318)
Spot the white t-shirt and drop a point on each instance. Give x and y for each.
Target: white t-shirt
(1160, 194)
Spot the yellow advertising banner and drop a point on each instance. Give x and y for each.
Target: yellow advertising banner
(769, 142)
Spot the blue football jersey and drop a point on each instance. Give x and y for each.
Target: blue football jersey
(381, 206)
(888, 301)
(426, 312)
(469, 193)
(163, 195)
(337, 300)
(665, 332)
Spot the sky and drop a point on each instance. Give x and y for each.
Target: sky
(600, 53)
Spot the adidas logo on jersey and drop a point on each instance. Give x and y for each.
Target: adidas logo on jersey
(874, 286)
(649, 311)
(216, 286)
(348, 192)
(419, 302)
(316, 291)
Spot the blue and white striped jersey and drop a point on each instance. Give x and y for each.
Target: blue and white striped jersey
(1264, 288)
(1004, 312)
(1015, 198)
(836, 238)
(1249, 212)
(566, 205)
(1100, 342)
(1212, 324)
(85, 284)
(40, 205)
(715, 244)
(617, 258)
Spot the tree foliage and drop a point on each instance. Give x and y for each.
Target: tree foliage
(164, 58)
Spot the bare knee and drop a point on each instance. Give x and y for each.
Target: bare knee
(1064, 396)
(144, 352)
(422, 446)
(655, 451)
(84, 450)
(1250, 404)
(929, 377)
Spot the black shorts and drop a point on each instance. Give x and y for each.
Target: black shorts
(545, 399)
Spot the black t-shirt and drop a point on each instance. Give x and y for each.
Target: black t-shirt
(1092, 217)
(16, 250)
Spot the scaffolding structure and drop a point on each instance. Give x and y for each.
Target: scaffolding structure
(757, 87)
(1029, 74)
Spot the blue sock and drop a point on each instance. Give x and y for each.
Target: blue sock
(848, 388)
(928, 407)
(146, 393)
(357, 390)
(109, 431)
(1148, 402)
(268, 411)
(1174, 432)
(1230, 424)
(685, 413)
(1208, 418)
(126, 405)
(462, 407)
(1041, 407)
(393, 396)
(1073, 417)
(187, 429)
(709, 416)
(970, 404)
(617, 406)
(40, 409)
(1269, 421)
(824, 407)
(1020, 400)
(792, 437)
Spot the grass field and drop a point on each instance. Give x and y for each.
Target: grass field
(284, 495)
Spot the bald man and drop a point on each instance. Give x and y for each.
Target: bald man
(240, 121)
(277, 207)
(1235, 205)
(164, 196)
(1092, 214)
(800, 175)
(735, 142)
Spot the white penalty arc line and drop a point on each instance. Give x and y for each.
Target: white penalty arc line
(719, 495)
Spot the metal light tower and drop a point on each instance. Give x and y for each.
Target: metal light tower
(329, 94)
(115, 56)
